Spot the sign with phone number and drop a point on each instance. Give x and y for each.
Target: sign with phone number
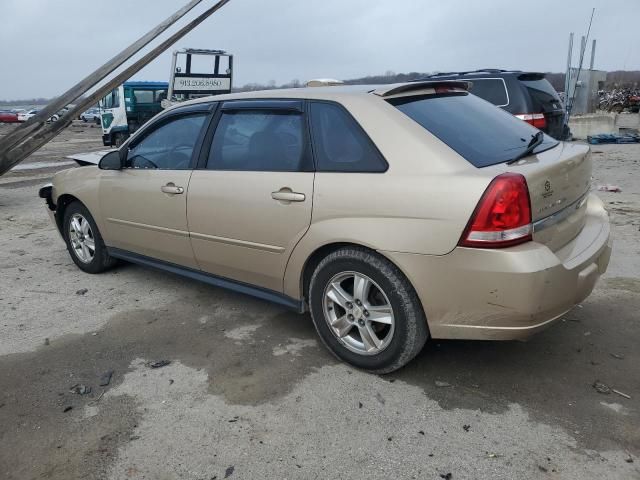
(199, 84)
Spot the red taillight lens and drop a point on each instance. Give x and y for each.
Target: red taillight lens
(503, 215)
(538, 120)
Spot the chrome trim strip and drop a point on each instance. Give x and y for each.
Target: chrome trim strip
(238, 243)
(154, 228)
(560, 215)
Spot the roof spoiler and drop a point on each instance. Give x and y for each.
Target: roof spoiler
(398, 88)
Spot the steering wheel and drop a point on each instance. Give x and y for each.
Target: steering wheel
(173, 154)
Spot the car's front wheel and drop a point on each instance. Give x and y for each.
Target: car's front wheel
(84, 241)
(366, 311)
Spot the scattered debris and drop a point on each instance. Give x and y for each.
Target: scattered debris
(105, 378)
(442, 384)
(586, 334)
(609, 188)
(617, 355)
(380, 398)
(466, 427)
(421, 432)
(618, 392)
(629, 460)
(229, 471)
(612, 138)
(46, 342)
(80, 389)
(601, 387)
(542, 469)
(171, 381)
(82, 291)
(389, 438)
(446, 476)
(159, 363)
(359, 404)
(492, 455)
(67, 409)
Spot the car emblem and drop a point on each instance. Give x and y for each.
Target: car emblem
(547, 186)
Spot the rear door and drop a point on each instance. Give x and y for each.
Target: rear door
(250, 200)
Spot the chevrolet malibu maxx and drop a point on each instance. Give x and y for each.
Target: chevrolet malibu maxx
(391, 213)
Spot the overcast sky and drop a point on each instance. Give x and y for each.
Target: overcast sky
(48, 45)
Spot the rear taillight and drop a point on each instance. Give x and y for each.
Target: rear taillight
(502, 217)
(536, 119)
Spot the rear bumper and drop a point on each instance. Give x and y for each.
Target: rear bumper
(510, 293)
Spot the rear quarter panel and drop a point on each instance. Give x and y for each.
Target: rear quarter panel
(420, 205)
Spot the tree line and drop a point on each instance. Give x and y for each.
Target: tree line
(615, 80)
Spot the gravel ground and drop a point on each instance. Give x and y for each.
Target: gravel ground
(250, 392)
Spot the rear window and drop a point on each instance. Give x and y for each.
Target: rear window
(490, 89)
(543, 95)
(480, 132)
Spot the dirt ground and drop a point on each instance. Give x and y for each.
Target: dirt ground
(250, 392)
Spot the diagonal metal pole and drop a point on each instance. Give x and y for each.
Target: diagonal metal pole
(94, 78)
(43, 135)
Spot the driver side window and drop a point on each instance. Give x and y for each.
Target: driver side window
(170, 146)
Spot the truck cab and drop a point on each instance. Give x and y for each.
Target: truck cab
(128, 107)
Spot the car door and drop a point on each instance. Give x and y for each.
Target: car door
(249, 202)
(144, 205)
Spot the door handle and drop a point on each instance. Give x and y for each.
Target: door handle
(287, 195)
(172, 189)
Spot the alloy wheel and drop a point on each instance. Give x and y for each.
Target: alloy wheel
(358, 313)
(81, 237)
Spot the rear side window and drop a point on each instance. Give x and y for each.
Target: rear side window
(481, 133)
(492, 90)
(340, 144)
(260, 140)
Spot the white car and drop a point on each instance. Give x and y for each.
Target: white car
(24, 116)
(91, 115)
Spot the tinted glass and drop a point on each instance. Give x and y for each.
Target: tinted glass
(168, 147)
(544, 97)
(481, 133)
(491, 89)
(143, 96)
(339, 144)
(260, 140)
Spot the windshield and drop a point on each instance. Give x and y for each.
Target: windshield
(480, 132)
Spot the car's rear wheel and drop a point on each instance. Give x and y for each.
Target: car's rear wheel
(84, 241)
(366, 311)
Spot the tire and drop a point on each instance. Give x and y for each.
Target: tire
(401, 335)
(84, 119)
(100, 260)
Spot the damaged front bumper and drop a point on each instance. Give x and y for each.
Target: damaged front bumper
(46, 192)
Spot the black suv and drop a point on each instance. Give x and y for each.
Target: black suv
(527, 95)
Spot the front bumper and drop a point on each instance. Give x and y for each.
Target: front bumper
(46, 192)
(481, 294)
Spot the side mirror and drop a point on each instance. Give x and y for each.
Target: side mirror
(111, 161)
